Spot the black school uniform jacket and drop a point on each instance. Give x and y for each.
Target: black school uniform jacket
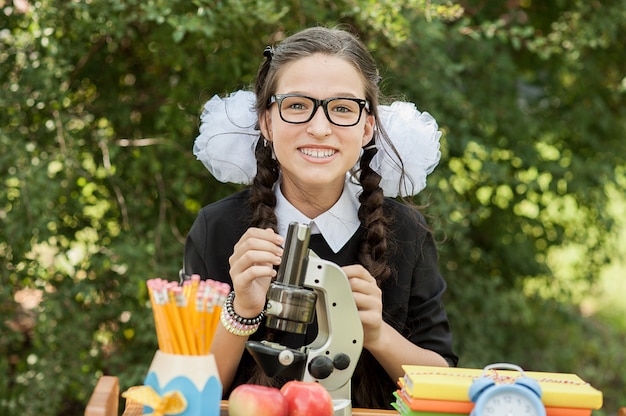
(412, 296)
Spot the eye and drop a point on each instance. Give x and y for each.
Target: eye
(342, 109)
(344, 106)
(296, 104)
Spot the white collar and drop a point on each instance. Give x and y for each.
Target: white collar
(337, 225)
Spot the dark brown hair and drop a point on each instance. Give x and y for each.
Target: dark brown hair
(373, 247)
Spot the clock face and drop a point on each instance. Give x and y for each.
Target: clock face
(509, 403)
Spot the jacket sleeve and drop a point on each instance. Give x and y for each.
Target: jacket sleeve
(428, 321)
(413, 296)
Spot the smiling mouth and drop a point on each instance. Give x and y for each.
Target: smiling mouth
(318, 153)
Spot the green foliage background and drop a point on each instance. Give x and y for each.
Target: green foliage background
(99, 109)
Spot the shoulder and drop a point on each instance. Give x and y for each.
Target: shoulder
(215, 231)
(225, 213)
(405, 220)
(236, 203)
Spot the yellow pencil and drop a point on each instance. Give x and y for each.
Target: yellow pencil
(209, 306)
(183, 314)
(198, 323)
(164, 334)
(171, 324)
(157, 321)
(174, 322)
(190, 288)
(221, 292)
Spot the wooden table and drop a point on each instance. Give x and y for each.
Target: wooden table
(135, 409)
(105, 398)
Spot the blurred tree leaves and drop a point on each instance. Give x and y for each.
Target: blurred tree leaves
(100, 104)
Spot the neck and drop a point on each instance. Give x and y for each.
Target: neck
(311, 201)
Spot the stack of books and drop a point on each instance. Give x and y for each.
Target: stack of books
(437, 391)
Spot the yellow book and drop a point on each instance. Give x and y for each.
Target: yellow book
(440, 383)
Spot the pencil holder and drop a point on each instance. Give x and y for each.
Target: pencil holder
(194, 377)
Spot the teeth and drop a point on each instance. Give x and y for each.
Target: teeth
(321, 153)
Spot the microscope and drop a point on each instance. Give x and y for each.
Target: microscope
(306, 284)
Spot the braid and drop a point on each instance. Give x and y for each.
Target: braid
(373, 251)
(262, 198)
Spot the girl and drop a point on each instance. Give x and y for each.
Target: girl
(322, 156)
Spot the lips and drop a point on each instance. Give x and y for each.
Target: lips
(318, 153)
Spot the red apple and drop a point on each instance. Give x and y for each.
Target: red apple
(252, 399)
(307, 399)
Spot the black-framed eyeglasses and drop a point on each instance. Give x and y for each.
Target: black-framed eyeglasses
(340, 111)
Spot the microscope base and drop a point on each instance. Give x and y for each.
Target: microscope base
(342, 407)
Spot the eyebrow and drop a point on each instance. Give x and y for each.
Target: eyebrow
(341, 95)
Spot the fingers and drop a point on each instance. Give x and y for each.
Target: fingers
(368, 299)
(367, 295)
(255, 254)
(361, 281)
(258, 239)
(252, 268)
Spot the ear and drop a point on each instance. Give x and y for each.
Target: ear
(265, 124)
(368, 129)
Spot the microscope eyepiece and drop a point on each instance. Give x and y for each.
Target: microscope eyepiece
(295, 255)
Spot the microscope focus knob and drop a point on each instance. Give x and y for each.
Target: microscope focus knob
(320, 367)
(341, 361)
(286, 357)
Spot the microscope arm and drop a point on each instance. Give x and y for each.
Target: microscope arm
(333, 355)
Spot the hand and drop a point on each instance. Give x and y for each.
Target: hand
(252, 269)
(368, 299)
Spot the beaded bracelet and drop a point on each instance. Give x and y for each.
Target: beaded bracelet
(237, 324)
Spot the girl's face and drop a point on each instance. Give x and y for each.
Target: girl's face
(315, 156)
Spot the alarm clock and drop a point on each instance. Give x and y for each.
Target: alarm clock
(521, 398)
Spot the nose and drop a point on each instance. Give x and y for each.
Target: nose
(319, 125)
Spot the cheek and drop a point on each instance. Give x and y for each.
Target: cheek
(357, 157)
(354, 151)
(282, 142)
